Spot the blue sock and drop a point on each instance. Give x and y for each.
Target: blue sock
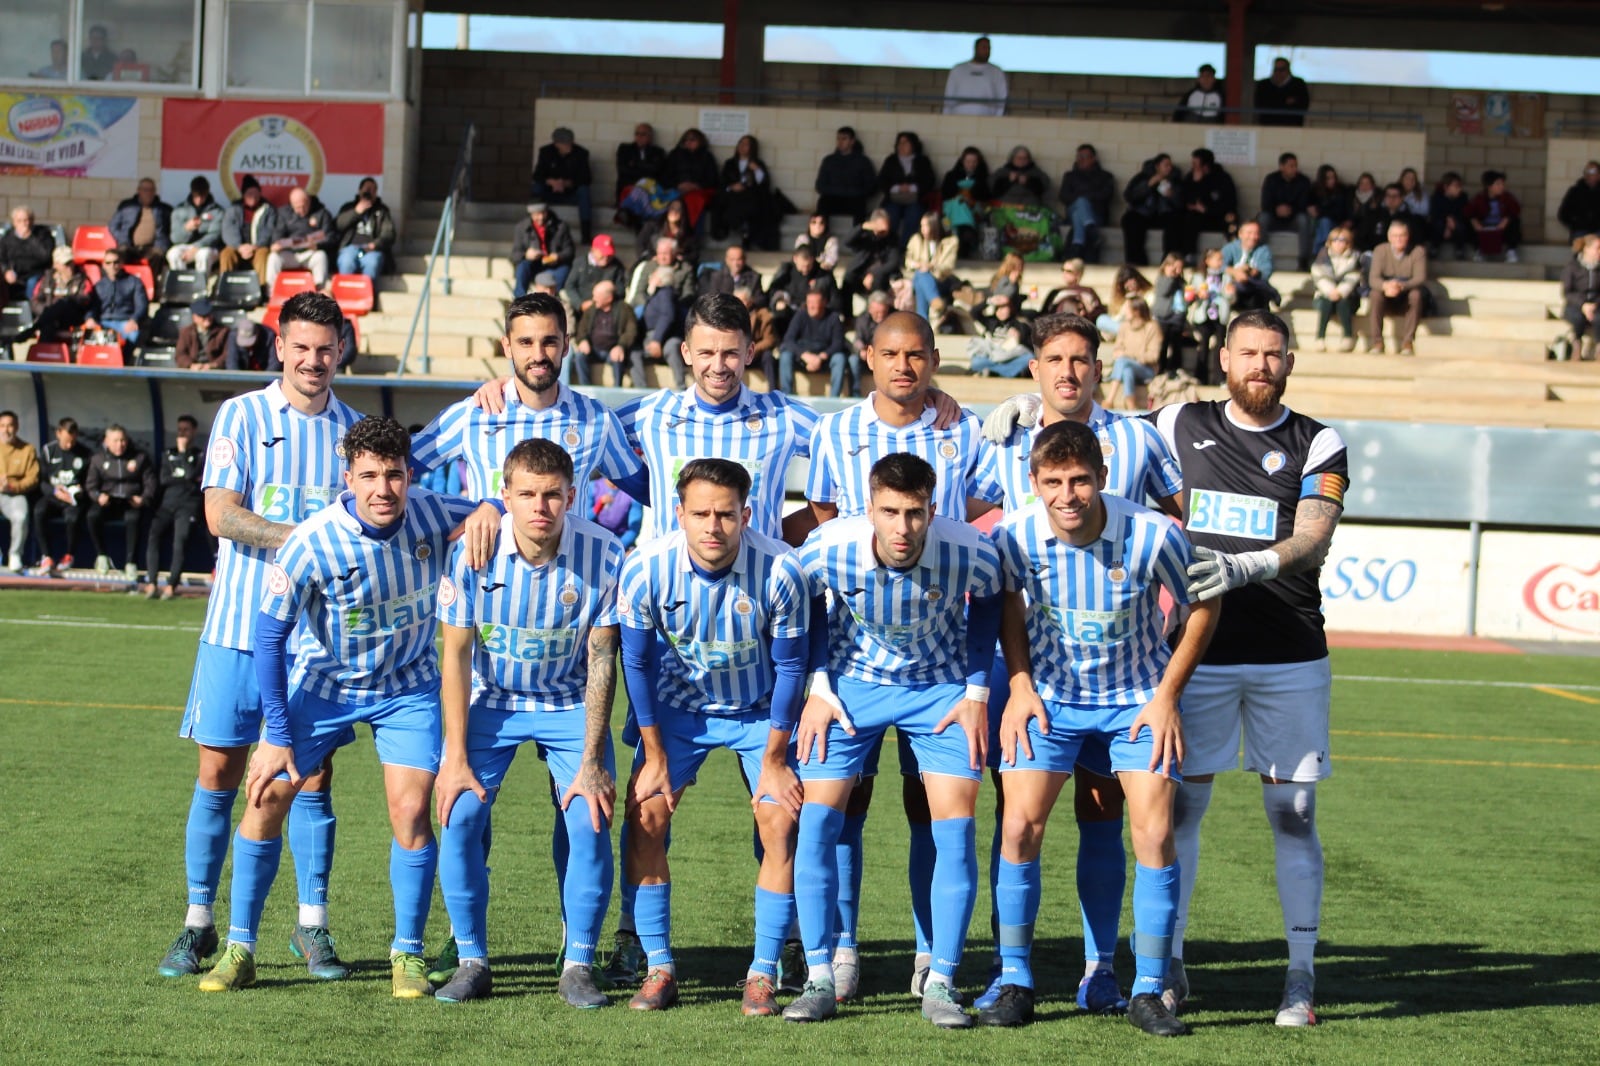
(464, 873)
(816, 879)
(311, 830)
(774, 913)
(205, 841)
(1017, 893)
(652, 917)
(1155, 908)
(1102, 879)
(847, 854)
(411, 880)
(255, 864)
(955, 890)
(626, 891)
(586, 889)
(923, 858)
(560, 847)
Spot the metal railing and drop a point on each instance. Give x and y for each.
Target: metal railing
(443, 237)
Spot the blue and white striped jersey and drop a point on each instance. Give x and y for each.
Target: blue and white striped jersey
(719, 632)
(1139, 466)
(367, 606)
(287, 467)
(899, 627)
(1094, 615)
(846, 443)
(585, 427)
(761, 431)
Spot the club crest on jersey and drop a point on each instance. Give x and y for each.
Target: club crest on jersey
(1117, 573)
(422, 553)
(338, 449)
(933, 595)
(948, 450)
(568, 597)
(753, 423)
(742, 605)
(571, 437)
(1273, 461)
(1107, 449)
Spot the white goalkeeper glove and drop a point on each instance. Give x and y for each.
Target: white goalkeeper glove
(1018, 411)
(1214, 572)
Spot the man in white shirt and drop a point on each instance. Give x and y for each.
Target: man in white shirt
(976, 87)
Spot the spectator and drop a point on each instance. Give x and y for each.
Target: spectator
(64, 465)
(366, 232)
(1019, 180)
(745, 205)
(1007, 277)
(1086, 193)
(1336, 278)
(734, 272)
(1202, 101)
(845, 178)
(196, 229)
(1167, 307)
(1072, 295)
(1398, 276)
(1210, 201)
(879, 305)
(661, 291)
(692, 170)
(1365, 204)
(599, 264)
(930, 259)
(19, 484)
(680, 276)
(815, 341)
(247, 228)
(1153, 204)
(543, 243)
(1208, 303)
(673, 223)
(561, 176)
(608, 333)
(57, 69)
(905, 178)
(62, 299)
(142, 225)
(202, 344)
(298, 239)
(1580, 207)
(121, 485)
(97, 60)
(1447, 217)
(976, 87)
(637, 160)
(615, 511)
(1284, 94)
(791, 282)
(1412, 192)
(1496, 218)
(1580, 296)
(1248, 261)
(1286, 204)
(1127, 285)
(1137, 351)
(1330, 204)
(1392, 208)
(1005, 349)
(251, 346)
(965, 191)
(119, 301)
(877, 257)
(180, 502)
(24, 255)
(764, 334)
(824, 245)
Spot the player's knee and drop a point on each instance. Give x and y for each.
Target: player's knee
(649, 822)
(1021, 832)
(777, 831)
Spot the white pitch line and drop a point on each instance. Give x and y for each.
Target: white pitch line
(84, 624)
(1465, 682)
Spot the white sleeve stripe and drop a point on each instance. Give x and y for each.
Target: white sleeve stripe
(1167, 425)
(1325, 447)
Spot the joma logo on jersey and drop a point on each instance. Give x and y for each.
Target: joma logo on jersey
(391, 616)
(293, 503)
(1228, 514)
(720, 654)
(527, 645)
(1093, 627)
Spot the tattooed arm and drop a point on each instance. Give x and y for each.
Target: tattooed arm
(1314, 522)
(1214, 573)
(594, 782)
(227, 516)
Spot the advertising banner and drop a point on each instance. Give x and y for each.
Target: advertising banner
(1539, 586)
(67, 136)
(1393, 579)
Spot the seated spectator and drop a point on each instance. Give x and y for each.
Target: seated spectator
(366, 232)
(1496, 218)
(1019, 180)
(1336, 278)
(905, 179)
(542, 243)
(764, 335)
(57, 68)
(1580, 296)
(815, 342)
(251, 346)
(608, 333)
(1209, 199)
(1167, 307)
(1412, 192)
(638, 160)
(202, 344)
(692, 170)
(791, 282)
(600, 264)
(745, 205)
(1208, 304)
(24, 255)
(19, 484)
(1366, 202)
(1127, 284)
(196, 229)
(1330, 205)
(180, 502)
(877, 257)
(142, 225)
(247, 228)
(673, 223)
(1281, 99)
(824, 246)
(97, 61)
(1006, 347)
(1580, 207)
(1137, 352)
(846, 179)
(1248, 261)
(1083, 300)
(121, 485)
(998, 313)
(298, 239)
(666, 262)
(1391, 209)
(119, 302)
(1202, 101)
(966, 194)
(930, 259)
(1286, 204)
(1086, 193)
(879, 305)
(1007, 278)
(561, 176)
(64, 467)
(1398, 276)
(63, 297)
(734, 272)
(660, 293)
(1447, 218)
(1152, 196)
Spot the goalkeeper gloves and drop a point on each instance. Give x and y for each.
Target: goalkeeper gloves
(1018, 411)
(1215, 573)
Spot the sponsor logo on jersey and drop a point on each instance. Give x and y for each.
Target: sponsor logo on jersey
(719, 654)
(1229, 514)
(292, 504)
(391, 616)
(1091, 627)
(1273, 461)
(527, 645)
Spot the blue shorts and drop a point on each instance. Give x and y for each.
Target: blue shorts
(224, 708)
(908, 756)
(493, 737)
(406, 728)
(914, 711)
(688, 738)
(1073, 729)
(1094, 756)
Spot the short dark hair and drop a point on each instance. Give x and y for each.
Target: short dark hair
(721, 472)
(191, 419)
(11, 415)
(68, 424)
(851, 130)
(115, 427)
(1205, 156)
(912, 321)
(1205, 67)
(1049, 327)
(1260, 318)
(1448, 177)
(536, 305)
(376, 435)
(317, 308)
(1395, 185)
(539, 456)
(903, 472)
(123, 252)
(719, 311)
(1286, 156)
(1063, 442)
(1492, 176)
(1088, 146)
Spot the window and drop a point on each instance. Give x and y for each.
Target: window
(352, 48)
(312, 47)
(87, 41)
(267, 45)
(34, 44)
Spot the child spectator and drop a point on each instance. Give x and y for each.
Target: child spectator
(1496, 219)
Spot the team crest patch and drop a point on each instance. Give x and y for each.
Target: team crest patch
(1117, 573)
(277, 581)
(222, 453)
(133, 464)
(447, 592)
(743, 605)
(1273, 461)
(568, 597)
(338, 449)
(933, 595)
(947, 450)
(753, 423)
(571, 438)
(1107, 449)
(422, 553)
(623, 606)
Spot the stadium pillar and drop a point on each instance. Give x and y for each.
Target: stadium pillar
(730, 51)
(1240, 63)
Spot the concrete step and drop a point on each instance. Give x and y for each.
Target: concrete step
(439, 325)
(1483, 412)
(472, 267)
(480, 346)
(1536, 331)
(490, 288)
(456, 305)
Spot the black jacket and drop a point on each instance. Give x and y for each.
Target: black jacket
(1145, 199)
(573, 167)
(698, 166)
(375, 225)
(1276, 190)
(1195, 101)
(878, 256)
(584, 276)
(634, 164)
(1579, 284)
(557, 241)
(846, 175)
(64, 468)
(1292, 95)
(122, 476)
(1579, 211)
(1095, 185)
(795, 285)
(892, 174)
(27, 256)
(807, 334)
(720, 281)
(180, 472)
(1215, 191)
(950, 188)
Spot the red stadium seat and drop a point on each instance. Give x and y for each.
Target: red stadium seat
(91, 243)
(50, 352)
(143, 272)
(291, 283)
(101, 355)
(270, 319)
(93, 272)
(354, 293)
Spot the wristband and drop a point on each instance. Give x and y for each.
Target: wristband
(822, 689)
(1262, 565)
(980, 693)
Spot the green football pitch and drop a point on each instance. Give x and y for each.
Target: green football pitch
(1461, 920)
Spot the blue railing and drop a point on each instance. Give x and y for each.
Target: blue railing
(443, 237)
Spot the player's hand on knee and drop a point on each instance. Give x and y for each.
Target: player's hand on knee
(595, 784)
(491, 395)
(456, 777)
(822, 709)
(1160, 716)
(651, 779)
(1020, 410)
(1021, 706)
(782, 785)
(266, 763)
